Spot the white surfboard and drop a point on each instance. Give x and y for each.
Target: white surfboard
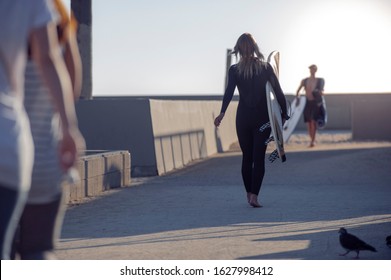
(295, 114)
(274, 112)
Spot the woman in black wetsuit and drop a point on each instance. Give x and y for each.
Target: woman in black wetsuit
(250, 76)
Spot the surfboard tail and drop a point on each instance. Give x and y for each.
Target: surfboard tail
(273, 156)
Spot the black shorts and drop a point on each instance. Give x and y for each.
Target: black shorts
(311, 110)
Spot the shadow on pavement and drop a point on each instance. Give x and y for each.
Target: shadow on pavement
(305, 201)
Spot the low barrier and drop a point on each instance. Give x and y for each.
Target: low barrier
(164, 133)
(99, 171)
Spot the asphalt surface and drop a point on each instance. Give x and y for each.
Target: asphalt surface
(201, 211)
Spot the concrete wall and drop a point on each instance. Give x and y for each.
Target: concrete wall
(339, 106)
(99, 171)
(161, 135)
(165, 133)
(184, 131)
(120, 124)
(371, 119)
(366, 115)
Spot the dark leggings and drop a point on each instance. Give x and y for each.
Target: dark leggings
(11, 205)
(38, 230)
(252, 143)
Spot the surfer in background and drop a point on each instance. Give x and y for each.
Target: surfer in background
(313, 88)
(250, 75)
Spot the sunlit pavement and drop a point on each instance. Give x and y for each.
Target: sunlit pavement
(201, 212)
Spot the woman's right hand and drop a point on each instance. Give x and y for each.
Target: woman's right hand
(218, 119)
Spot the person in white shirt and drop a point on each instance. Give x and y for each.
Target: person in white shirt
(24, 21)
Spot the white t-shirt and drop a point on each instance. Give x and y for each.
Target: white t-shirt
(17, 19)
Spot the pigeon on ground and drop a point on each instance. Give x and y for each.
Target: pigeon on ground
(353, 243)
(388, 241)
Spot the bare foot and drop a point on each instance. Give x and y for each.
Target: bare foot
(254, 201)
(255, 205)
(248, 197)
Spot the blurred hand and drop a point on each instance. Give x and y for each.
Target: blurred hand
(218, 119)
(72, 142)
(284, 118)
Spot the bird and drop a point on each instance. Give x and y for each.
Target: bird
(388, 241)
(353, 243)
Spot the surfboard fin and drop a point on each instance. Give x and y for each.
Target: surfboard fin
(273, 156)
(270, 139)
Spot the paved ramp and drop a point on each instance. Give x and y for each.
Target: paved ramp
(201, 212)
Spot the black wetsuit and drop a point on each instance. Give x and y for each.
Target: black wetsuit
(252, 113)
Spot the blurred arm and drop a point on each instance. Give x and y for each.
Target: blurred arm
(47, 54)
(73, 64)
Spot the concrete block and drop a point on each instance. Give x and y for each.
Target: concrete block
(113, 162)
(99, 171)
(80, 166)
(126, 167)
(66, 193)
(126, 181)
(127, 159)
(78, 190)
(95, 166)
(74, 196)
(112, 180)
(94, 185)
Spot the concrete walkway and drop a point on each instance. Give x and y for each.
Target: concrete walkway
(201, 212)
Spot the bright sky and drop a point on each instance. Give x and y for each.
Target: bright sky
(179, 46)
